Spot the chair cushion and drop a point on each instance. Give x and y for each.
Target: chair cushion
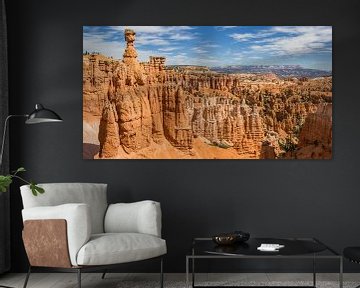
(352, 253)
(114, 248)
(92, 194)
(137, 217)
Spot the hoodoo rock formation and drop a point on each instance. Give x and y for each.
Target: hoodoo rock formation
(192, 112)
(315, 141)
(109, 132)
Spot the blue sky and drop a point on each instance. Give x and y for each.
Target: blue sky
(308, 46)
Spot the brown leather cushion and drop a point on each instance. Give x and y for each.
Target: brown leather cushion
(46, 243)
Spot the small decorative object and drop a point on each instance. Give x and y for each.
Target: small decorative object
(270, 247)
(225, 239)
(231, 238)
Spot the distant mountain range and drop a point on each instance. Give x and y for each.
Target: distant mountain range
(279, 70)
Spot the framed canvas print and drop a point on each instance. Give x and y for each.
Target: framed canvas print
(207, 92)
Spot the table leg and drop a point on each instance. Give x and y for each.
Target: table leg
(314, 271)
(341, 273)
(193, 272)
(187, 272)
(193, 267)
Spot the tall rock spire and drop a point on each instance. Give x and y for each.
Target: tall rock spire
(130, 53)
(135, 72)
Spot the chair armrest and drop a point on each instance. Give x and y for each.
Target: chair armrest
(138, 217)
(78, 223)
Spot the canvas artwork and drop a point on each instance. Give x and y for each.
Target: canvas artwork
(207, 92)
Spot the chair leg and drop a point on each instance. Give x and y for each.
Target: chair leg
(103, 275)
(79, 277)
(161, 273)
(27, 277)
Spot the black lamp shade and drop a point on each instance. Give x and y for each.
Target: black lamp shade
(42, 115)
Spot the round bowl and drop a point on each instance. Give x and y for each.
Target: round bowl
(225, 239)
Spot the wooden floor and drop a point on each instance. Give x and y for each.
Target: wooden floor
(113, 280)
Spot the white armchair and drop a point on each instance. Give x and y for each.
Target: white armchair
(72, 228)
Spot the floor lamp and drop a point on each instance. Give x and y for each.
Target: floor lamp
(39, 115)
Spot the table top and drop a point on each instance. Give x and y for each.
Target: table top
(292, 247)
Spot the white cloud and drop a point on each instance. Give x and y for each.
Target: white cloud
(325, 30)
(180, 59)
(182, 36)
(199, 50)
(299, 40)
(240, 37)
(168, 49)
(143, 54)
(222, 28)
(209, 45)
(144, 39)
(97, 43)
(153, 29)
(158, 35)
(288, 40)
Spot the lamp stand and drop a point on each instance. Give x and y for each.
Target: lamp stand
(4, 135)
(2, 153)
